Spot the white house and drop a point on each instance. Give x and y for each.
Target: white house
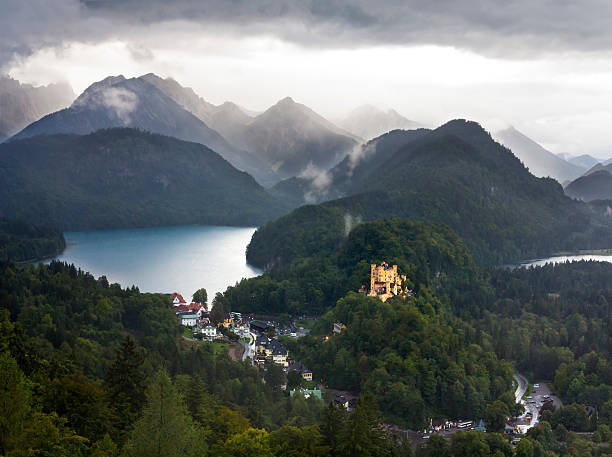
(188, 319)
(209, 331)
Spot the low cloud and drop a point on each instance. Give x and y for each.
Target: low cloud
(118, 99)
(319, 182)
(350, 222)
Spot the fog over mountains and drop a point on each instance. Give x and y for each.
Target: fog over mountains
(540, 161)
(287, 142)
(369, 122)
(21, 104)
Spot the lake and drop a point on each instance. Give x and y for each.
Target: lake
(164, 259)
(565, 258)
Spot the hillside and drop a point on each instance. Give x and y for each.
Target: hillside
(346, 177)
(138, 103)
(21, 104)
(595, 185)
(456, 175)
(21, 241)
(369, 122)
(539, 161)
(293, 139)
(126, 178)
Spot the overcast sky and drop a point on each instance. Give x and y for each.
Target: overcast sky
(545, 68)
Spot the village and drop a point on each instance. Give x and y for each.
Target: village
(257, 337)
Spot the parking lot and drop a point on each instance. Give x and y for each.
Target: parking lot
(541, 393)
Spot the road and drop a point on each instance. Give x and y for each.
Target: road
(522, 387)
(249, 348)
(534, 401)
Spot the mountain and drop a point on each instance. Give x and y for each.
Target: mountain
(594, 185)
(368, 121)
(538, 160)
(140, 103)
(294, 139)
(126, 178)
(457, 175)
(22, 104)
(349, 174)
(584, 161)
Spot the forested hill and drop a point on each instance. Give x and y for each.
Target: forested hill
(126, 178)
(21, 241)
(430, 254)
(459, 176)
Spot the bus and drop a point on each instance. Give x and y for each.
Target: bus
(465, 424)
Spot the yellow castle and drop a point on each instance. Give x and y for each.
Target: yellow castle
(385, 282)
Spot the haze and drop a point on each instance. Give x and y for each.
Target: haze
(545, 69)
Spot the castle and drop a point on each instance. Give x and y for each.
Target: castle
(385, 282)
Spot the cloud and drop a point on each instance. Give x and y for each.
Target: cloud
(122, 101)
(494, 28)
(350, 222)
(319, 182)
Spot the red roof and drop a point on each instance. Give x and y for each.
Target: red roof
(195, 306)
(179, 296)
(181, 309)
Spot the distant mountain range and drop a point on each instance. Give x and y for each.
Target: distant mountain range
(369, 122)
(596, 185)
(539, 161)
(457, 175)
(126, 178)
(585, 161)
(21, 104)
(286, 140)
(137, 103)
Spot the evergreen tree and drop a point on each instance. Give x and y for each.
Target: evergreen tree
(165, 428)
(363, 436)
(14, 402)
(125, 383)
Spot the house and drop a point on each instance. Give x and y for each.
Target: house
(341, 400)
(278, 352)
(188, 319)
(261, 343)
(386, 282)
(227, 321)
(260, 327)
(481, 426)
(305, 372)
(209, 331)
(177, 299)
(339, 327)
(242, 330)
(307, 393)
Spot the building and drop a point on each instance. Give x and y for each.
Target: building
(279, 353)
(188, 319)
(260, 327)
(307, 393)
(386, 282)
(209, 331)
(339, 327)
(242, 330)
(177, 299)
(227, 321)
(305, 372)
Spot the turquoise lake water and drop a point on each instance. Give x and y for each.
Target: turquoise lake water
(565, 258)
(164, 259)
